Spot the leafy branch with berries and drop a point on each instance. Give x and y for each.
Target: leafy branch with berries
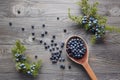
(92, 21)
(22, 62)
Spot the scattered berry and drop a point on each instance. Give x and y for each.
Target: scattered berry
(23, 29)
(52, 41)
(43, 25)
(10, 23)
(46, 47)
(33, 34)
(32, 27)
(58, 18)
(36, 56)
(55, 44)
(65, 30)
(50, 50)
(62, 66)
(60, 51)
(45, 43)
(33, 38)
(42, 35)
(57, 48)
(46, 32)
(53, 37)
(18, 12)
(69, 67)
(41, 41)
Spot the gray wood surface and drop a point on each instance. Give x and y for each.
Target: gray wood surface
(104, 58)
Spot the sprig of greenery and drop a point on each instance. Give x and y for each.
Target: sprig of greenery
(99, 27)
(112, 29)
(77, 19)
(22, 62)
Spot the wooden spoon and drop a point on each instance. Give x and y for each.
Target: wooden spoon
(84, 60)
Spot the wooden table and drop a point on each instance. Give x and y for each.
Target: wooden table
(104, 58)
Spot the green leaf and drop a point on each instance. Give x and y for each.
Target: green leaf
(112, 29)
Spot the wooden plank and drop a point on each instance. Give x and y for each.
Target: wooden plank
(104, 58)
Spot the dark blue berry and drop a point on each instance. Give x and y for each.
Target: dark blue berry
(53, 36)
(57, 18)
(18, 12)
(60, 51)
(10, 23)
(43, 25)
(32, 27)
(36, 56)
(69, 67)
(45, 43)
(62, 66)
(55, 44)
(42, 35)
(50, 50)
(41, 41)
(33, 38)
(23, 29)
(33, 34)
(52, 41)
(46, 32)
(64, 30)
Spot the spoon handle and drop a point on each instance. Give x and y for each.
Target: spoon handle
(89, 71)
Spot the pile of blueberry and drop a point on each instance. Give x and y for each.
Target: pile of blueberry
(55, 49)
(93, 26)
(76, 47)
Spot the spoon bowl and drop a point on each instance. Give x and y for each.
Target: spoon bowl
(84, 59)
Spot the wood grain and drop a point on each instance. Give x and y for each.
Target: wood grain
(104, 58)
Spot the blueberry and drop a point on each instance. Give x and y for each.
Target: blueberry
(53, 49)
(50, 50)
(63, 59)
(95, 21)
(18, 12)
(52, 41)
(42, 35)
(51, 44)
(51, 58)
(69, 67)
(57, 48)
(62, 66)
(32, 27)
(33, 38)
(43, 25)
(53, 37)
(33, 34)
(46, 32)
(10, 23)
(83, 22)
(60, 59)
(45, 43)
(60, 51)
(41, 41)
(54, 61)
(55, 44)
(62, 45)
(64, 30)
(36, 56)
(23, 29)
(46, 47)
(57, 18)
